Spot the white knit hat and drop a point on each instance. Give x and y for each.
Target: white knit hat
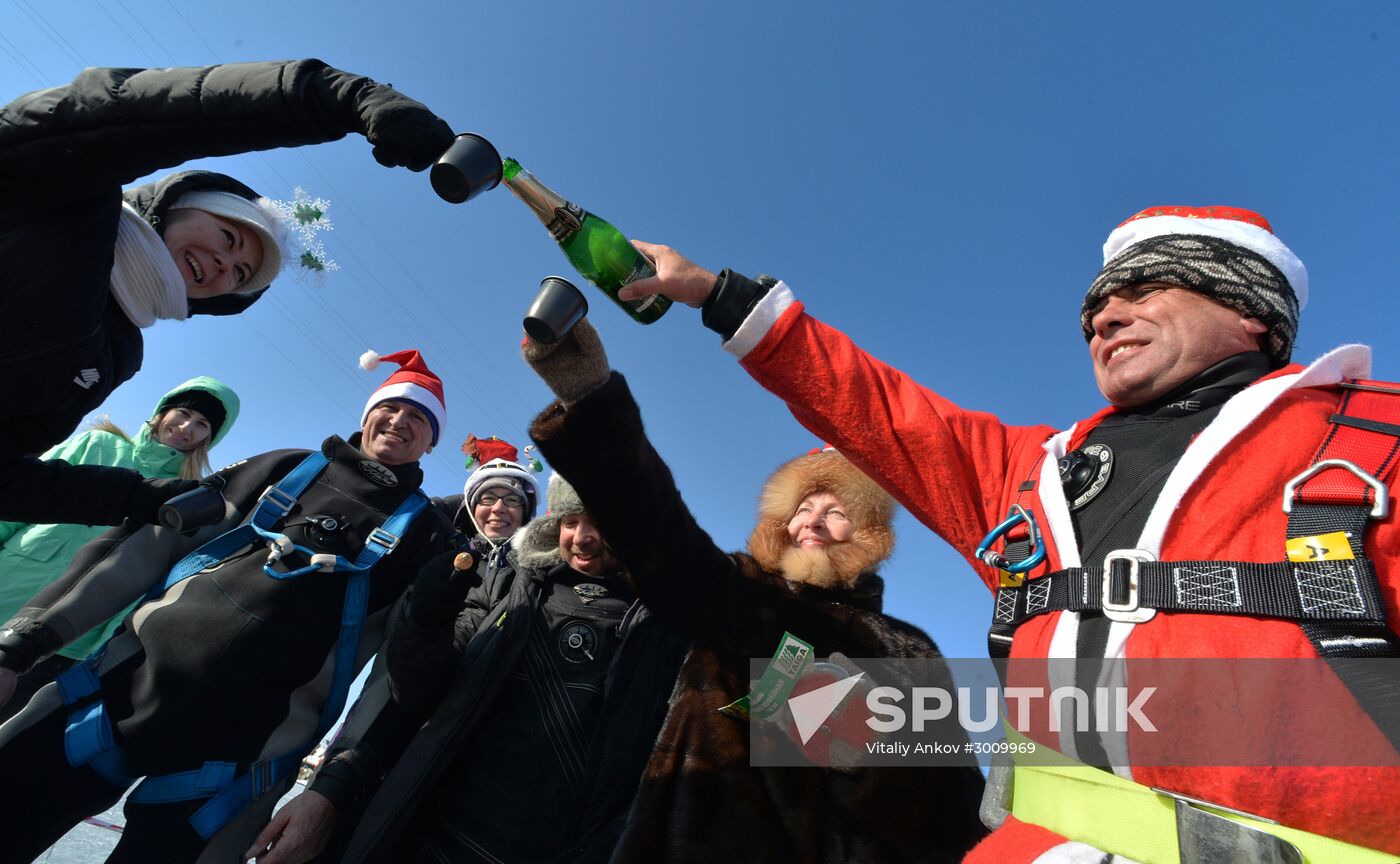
(499, 473)
(261, 216)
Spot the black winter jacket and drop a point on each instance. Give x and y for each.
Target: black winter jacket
(453, 674)
(65, 154)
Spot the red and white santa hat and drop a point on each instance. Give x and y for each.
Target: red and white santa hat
(1227, 253)
(414, 383)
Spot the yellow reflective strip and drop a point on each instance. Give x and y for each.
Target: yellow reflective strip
(1115, 814)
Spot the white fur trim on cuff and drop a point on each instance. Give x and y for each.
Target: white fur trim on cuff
(760, 320)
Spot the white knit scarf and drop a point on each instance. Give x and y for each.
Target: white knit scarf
(145, 279)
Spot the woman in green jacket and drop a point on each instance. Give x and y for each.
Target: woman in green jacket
(175, 442)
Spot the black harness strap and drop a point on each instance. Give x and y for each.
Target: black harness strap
(1336, 502)
(1342, 592)
(1018, 548)
(1330, 588)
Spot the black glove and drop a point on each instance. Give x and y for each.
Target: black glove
(403, 132)
(147, 498)
(440, 590)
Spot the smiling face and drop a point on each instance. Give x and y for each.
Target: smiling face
(1151, 338)
(216, 256)
(182, 429)
(582, 547)
(396, 433)
(820, 521)
(499, 511)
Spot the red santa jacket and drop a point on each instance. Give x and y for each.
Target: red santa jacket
(958, 472)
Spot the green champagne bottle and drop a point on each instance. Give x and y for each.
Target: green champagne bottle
(596, 249)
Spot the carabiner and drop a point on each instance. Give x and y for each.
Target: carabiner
(998, 560)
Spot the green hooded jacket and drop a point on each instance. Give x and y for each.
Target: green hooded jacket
(32, 556)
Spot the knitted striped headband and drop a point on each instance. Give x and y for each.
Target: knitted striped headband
(1226, 253)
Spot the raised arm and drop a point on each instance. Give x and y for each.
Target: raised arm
(111, 126)
(942, 462)
(119, 567)
(76, 482)
(595, 439)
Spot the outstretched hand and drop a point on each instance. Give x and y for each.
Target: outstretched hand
(677, 277)
(297, 833)
(574, 366)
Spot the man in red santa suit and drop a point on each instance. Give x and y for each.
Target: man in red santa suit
(1190, 326)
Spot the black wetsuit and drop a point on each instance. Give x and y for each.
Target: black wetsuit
(1147, 442)
(228, 665)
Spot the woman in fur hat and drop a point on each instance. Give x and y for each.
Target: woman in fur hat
(823, 530)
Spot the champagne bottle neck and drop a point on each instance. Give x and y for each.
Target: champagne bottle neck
(561, 217)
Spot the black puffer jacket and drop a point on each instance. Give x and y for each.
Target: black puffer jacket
(65, 154)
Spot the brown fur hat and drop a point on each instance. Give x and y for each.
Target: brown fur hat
(870, 508)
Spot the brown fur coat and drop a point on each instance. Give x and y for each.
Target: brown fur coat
(699, 799)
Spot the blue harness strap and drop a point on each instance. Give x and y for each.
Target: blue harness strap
(267, 773)
(80, 680)
(88, 739)
(273, 504)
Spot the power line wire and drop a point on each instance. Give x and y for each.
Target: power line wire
(44, 24)
(146, 30)
(125, 32)
(21, 57)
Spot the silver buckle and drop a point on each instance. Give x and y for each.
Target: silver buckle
(277, 498)
(1203, 837)
(383, 538)
(1379, 510)
(1128, 612)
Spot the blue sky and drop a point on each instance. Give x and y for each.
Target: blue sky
(934, 179)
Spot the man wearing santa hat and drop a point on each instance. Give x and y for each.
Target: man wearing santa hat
(242, 654)
(1085, 535)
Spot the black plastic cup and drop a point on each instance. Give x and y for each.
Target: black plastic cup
(557, 308)
(466, 169)
(203, 505)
